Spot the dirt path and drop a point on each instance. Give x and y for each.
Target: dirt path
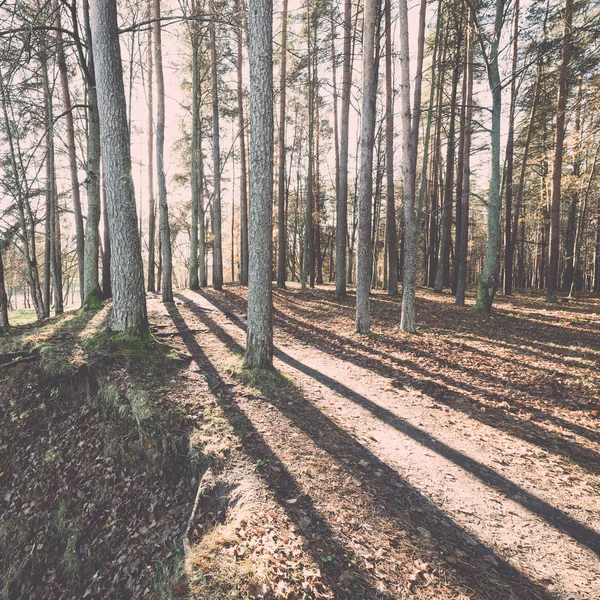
(412, 494)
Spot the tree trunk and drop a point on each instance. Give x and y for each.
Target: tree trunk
(510, 150)
(92, 293)
(151, 199)
(259, 342)
(3, 297)
(244, 170)
(488, 281)
(390, 221)
(369, 90)
(342, 190)
(460, 168)
(193, 280)
(336, 135)
(443, 266)
(163, 209)
(70, 131)
(217, 267)
(53, 218)
(129, 305)
(281, 224)
(411, 237)
(552, 278)
(462, 237)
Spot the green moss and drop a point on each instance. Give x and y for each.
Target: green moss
(93, 301)
(484, 298)
(139, 349)
(268, 381)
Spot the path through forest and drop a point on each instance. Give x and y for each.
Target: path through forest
(412, 476)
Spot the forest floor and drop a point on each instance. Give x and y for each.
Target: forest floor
(460, 462)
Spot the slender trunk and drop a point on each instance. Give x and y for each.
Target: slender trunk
(510, 149)
(3, 297)
(460, 169)
(390, 221)
(572, 220)
(336, 135)
(342, 189)
(521, 183)
(70, 131)
(203, 275)
(193, 280)
(552, 277)
(244, 170)
(369, 90)
(488, 281)
(53, 217)
(217, 267)
(281, 224)
(151, 199)
(443, 265)
(317, 209)
(163, 208)
(411, 237)
(92, 293)
(259, 341)
(129, 305)
(462, 244)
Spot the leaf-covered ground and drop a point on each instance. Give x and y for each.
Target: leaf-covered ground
(460, 462)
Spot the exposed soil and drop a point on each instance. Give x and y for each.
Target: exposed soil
(462, 460)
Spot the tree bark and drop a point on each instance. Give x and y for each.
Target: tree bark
(3, 297)
(70, 131)
(552, 278)
(217, 266)
(259, 342)
(193, 280)
(411, 237)
(488, 281)
(510, 150)
(163, 208)
(129, 305)
(342, 189)
(92, 293)
(442, 273)
(369, 90)
(281, 224)
(462, 244)
(151, 199)
(390, 221)
(244, 169)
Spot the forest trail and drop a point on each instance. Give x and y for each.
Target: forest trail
(402, 483)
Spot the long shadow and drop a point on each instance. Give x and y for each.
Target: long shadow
(557, 518)
(282, 483)
(443, 393)
(402, 502)
(333, 344)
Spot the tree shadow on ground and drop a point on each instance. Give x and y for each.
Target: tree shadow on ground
(443, 388)
(282, 484)
(405, 504)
